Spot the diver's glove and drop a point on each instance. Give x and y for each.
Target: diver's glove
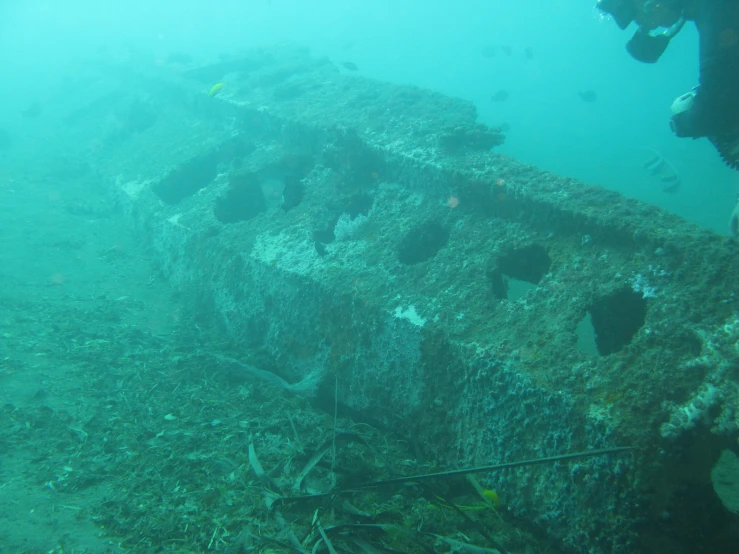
(693, 117)
(687, 115)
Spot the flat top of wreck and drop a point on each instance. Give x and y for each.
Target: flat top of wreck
(430, 128)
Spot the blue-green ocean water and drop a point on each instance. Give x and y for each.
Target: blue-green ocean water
(435, 44)
(554, 73)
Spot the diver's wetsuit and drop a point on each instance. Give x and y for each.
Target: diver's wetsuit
(716, 109)
(712, 109)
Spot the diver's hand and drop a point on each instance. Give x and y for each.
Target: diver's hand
(693, 116)
(684, 126)
(702, 113)
(688, 115)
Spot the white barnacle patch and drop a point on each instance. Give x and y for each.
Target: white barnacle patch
(410, 314)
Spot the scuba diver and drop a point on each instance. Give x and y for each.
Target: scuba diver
(712, 108)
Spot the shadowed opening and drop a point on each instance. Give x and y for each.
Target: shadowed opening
(243, 200)
(422, 243)
(616, 318)
(519, 271)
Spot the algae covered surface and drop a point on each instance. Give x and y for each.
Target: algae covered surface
(125, 428)
(225, 316)
(127, 424)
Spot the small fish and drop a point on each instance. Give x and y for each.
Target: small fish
(588, 96)
(32, 111)
(351, 66)
(506, 50)
(500, 96)
(491, 496)
(216, 89)
(529, 52)
(489, 52)
(655, 165)
(670, 183)
(293, 192)
(320, 248)
(660, 168)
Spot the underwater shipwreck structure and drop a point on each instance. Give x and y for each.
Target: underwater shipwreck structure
(365, 239)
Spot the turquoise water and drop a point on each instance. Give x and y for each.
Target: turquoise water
(437, 45)
(117, 417)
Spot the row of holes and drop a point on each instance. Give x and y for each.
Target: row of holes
(611, 322)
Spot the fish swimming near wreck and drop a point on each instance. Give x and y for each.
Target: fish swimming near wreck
(489, 52)
(660, 168)
(588, 95)
(216, 89)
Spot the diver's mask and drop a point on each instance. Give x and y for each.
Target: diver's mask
(647, 45)
(623, 12)
(648, 42)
